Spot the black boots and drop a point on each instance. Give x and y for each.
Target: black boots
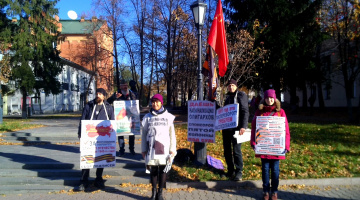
(160, 194)
(153, 194)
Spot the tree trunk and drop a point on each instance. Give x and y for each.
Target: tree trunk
(24, 105)
(318, 82)
(305, 98)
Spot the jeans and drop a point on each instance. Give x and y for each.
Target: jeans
(267, 166)
(232, 152)
(122, 143)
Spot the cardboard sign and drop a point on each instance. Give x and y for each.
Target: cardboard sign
(97, 144)
(127, 117)
(201, 121)
(227, 117)
(270, 136)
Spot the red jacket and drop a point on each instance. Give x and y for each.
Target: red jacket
(266, 111)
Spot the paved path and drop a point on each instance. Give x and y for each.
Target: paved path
(306, 193)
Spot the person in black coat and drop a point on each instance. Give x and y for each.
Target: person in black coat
(232, 149)
(124, 94)
(97, 109)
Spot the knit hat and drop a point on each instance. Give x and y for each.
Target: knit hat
(102, 91)
(158, 97)
(123, 82)
(270, 93)
(232, 81)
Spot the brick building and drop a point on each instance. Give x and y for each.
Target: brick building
(88, 43)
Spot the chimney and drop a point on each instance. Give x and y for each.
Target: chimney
(57, 18)
(94, 19)
(82, 19)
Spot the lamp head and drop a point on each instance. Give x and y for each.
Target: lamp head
(199, 9)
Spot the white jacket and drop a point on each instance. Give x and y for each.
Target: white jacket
(158, 137)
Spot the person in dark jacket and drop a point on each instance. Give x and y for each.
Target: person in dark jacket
(232, 149)
(124, 94)
(97, 109)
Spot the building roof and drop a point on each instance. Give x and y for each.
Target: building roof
(80, 27)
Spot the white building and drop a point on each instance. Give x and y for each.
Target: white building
(74, 79)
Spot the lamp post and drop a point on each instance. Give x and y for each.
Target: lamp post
(199, 9)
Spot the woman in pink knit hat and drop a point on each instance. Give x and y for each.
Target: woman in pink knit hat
(158, 144)
(270, 163)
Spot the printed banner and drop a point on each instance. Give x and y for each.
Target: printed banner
(97, 144)
(227, 117)
(270, 135)
(127, 117)
(201, 121)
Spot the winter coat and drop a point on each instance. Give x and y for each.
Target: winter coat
(275, 110)
(88, 110)
(158, 137)
(242, 100)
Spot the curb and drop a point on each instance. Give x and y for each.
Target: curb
(258, 183)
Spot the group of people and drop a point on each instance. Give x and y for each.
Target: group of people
(269, 106)
(158, 146)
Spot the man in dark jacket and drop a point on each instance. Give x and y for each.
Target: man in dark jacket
(95, 110)
(124, 94)
(234, 155)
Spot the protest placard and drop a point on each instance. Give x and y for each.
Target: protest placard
(270, 135)
(201, 121)
(227, 117)
(97, 144)
(127, 117)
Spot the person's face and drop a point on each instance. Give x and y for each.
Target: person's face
(232, 88)
(269, 101)
(123, 87)
(156, 104)
(99, 97)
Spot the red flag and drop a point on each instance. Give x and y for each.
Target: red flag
(217, 39)
(209, 69)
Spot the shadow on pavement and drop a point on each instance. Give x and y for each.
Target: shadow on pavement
(256, 193)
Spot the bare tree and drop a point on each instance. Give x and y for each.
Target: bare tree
(112, 11)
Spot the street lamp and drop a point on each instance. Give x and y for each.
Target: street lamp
(199, 9)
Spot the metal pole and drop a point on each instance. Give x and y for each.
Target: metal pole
(200, 147)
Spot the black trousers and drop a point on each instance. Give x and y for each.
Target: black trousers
(85, 174)
(122, 142)
(232, 152)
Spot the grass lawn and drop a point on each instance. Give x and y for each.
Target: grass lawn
(10, 125)
(317, 151)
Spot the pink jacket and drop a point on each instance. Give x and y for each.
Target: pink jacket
(266, 111)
